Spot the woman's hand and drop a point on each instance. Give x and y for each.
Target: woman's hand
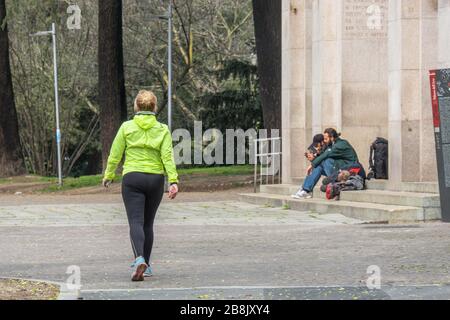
(309, 170)
(106, 183)
(173, 191)
(310, 156)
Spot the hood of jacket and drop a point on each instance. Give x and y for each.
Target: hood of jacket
(145, 121)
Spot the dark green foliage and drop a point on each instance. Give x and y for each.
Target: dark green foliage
(238, 104)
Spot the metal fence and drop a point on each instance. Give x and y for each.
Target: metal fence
(267, 161)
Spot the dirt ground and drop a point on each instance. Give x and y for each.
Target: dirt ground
(194, 188)
(27, 290)
(192, 183)
(112, 196)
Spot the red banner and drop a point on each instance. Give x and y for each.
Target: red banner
(434, 100)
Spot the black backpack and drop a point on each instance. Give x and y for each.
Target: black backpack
(379, 159)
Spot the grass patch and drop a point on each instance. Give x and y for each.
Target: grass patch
(25, 179)
(27, 290)
(4, 180)
(76, 183)
(96, 180)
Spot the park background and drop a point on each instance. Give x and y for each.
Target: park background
(225, 74)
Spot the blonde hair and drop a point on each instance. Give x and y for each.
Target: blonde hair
(146, 101)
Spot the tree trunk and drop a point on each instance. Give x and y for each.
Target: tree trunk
(267, 17)
(94, 166)
(112, 99)
(11, 158)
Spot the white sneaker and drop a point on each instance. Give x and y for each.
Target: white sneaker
(301, 195)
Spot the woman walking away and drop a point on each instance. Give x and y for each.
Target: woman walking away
(147, 145)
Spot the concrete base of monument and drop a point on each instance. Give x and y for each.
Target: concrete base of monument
(382, 202)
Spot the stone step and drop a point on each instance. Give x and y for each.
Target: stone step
(279, 189)
(421, 187)
(413, 199)
(298, 181)
(368, 212)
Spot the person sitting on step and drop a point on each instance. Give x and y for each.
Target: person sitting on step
(338, 154)
(316, 148)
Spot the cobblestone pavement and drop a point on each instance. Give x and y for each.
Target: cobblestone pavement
(228, 248)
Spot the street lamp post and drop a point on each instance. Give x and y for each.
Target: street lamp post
(170, 72)
(52, 32)
(169, 18)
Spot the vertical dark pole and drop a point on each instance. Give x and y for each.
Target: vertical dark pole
(440, 98)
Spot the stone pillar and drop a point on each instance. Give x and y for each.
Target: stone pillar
(444, 34)
(296, 74)
(364, 73)
(395, 90)
(327, 64)
(429, 30)
(316, 116)
(412, 52)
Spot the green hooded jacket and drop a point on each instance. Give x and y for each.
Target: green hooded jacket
(341, 151)
(148, 148)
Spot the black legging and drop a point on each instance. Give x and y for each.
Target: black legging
(142, 194)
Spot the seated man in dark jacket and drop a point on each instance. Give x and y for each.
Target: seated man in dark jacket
(338, 155)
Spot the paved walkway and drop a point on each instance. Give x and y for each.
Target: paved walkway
(223, 249)
(197, 213)
(275, 293)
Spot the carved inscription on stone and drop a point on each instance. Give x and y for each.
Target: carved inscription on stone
(365, 19)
